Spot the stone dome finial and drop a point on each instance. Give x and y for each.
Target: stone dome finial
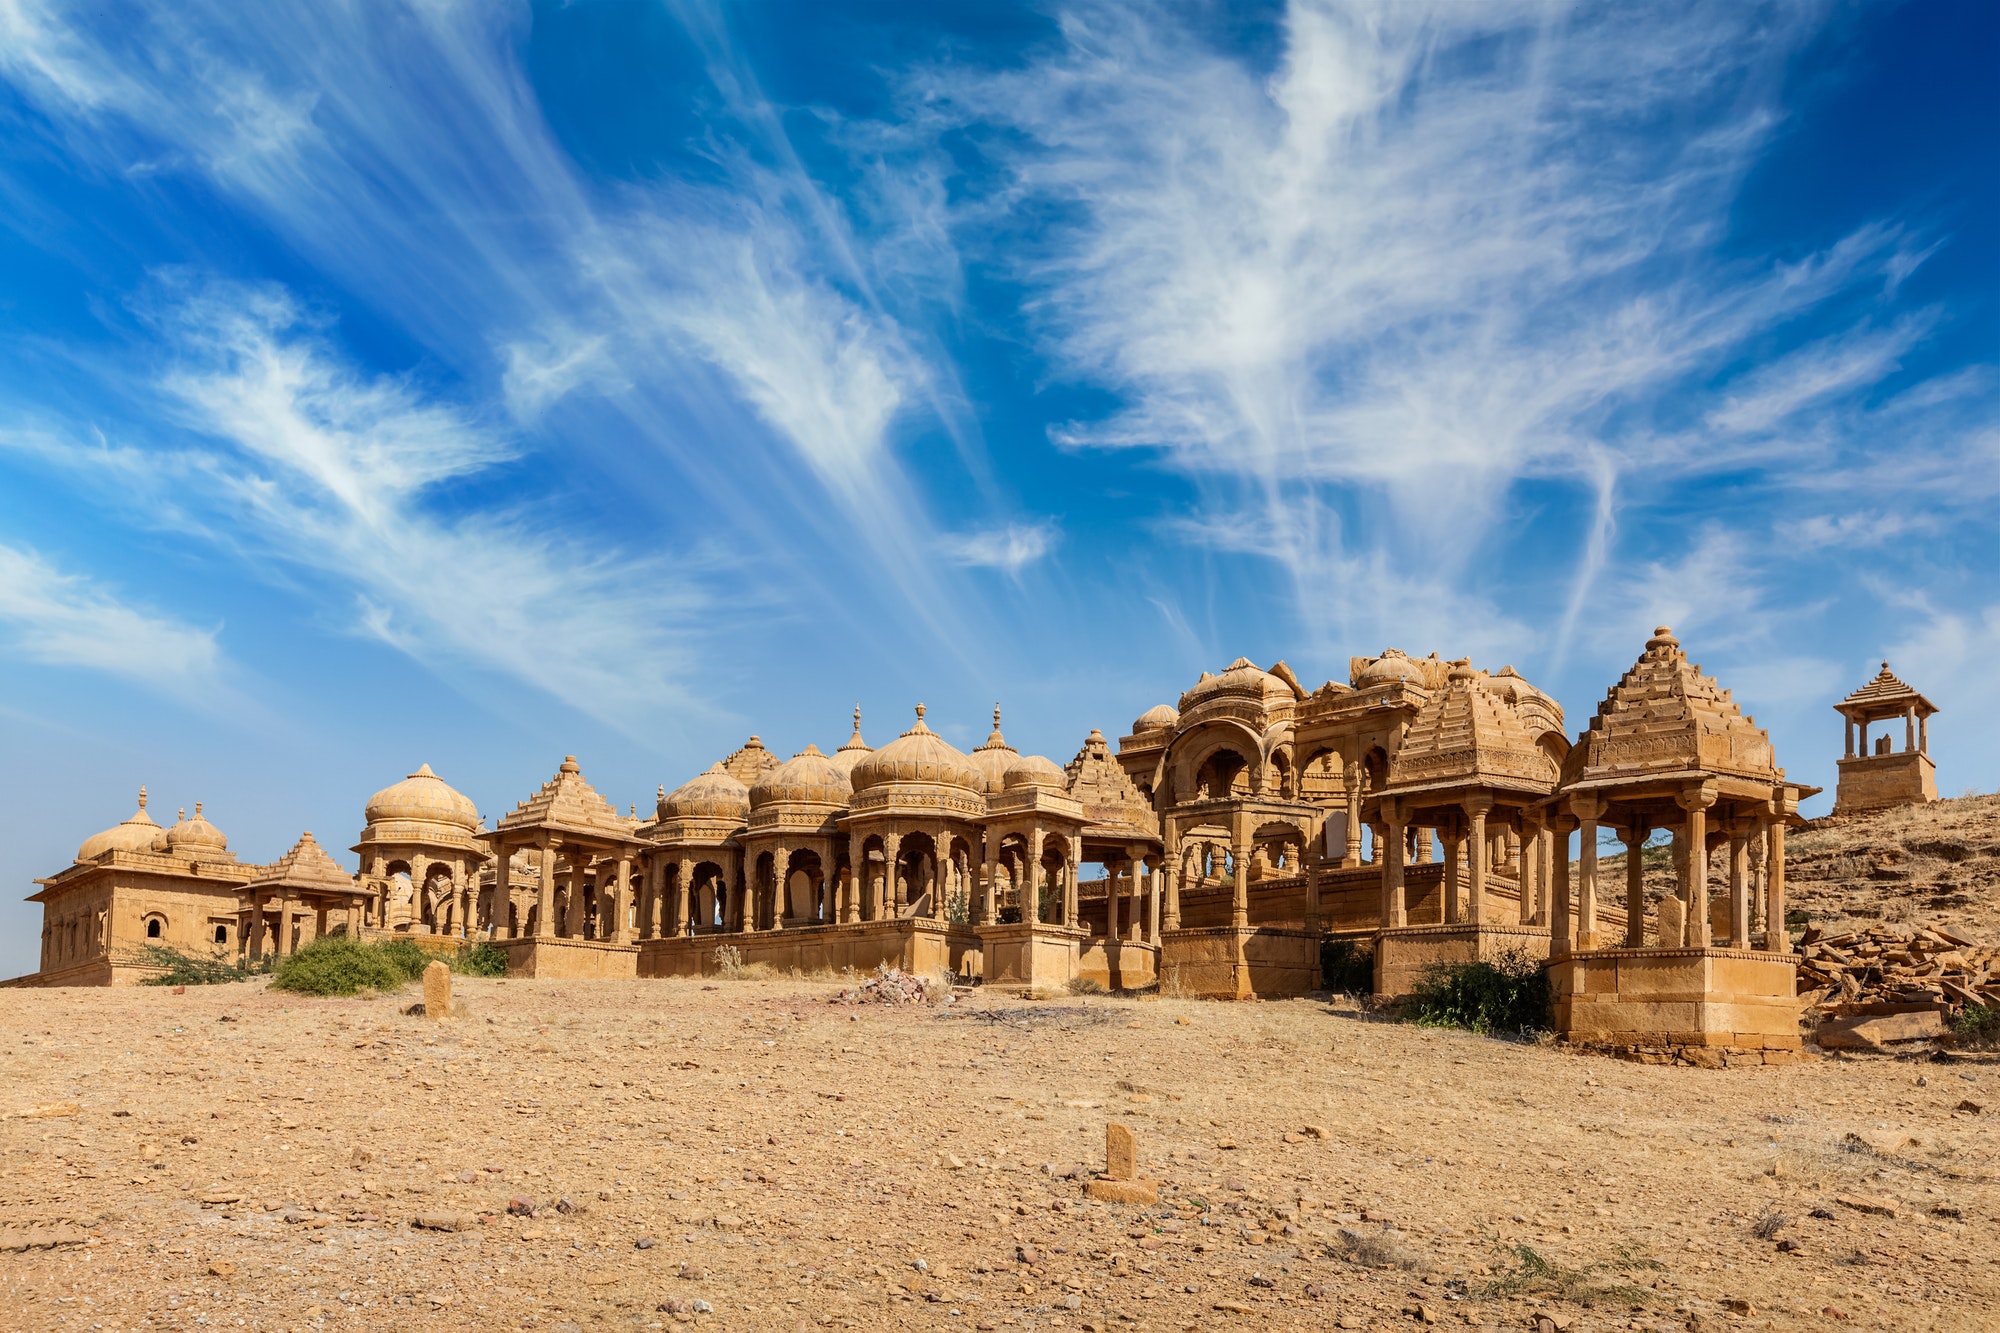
(569, 764)
(920, 715)
(995, 738)
(142, 786)
(1662, 638)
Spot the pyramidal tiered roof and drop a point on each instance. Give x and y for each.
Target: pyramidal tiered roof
(1467, 734)
(1884, 696)
(1664, 716)
(569, 804)
(1108, 796)
(749, 764)
(305, 867)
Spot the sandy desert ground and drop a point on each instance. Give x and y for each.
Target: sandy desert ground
(753, 1155)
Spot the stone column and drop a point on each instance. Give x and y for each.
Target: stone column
(1634, 839)
(1739, 883)
(1777, 939)
(1352, 859)
(1694, 889)
(1453, 843)
(1847, 733)
(1395, 908)
(1561, 913)
(621, 895)
(1072, 909)
(1475, 810)
(1923, 735)
(1587, 810)
(1170, 909)
(545, 909)
(256, 941)
(1239, 868)
(284, 927)
(989, 892)
(1110, 903)
(1861, 733)
(892, 886)
(781, 885)
(1426, 847)
(498, 907)
(1136, 927)
(1909, 729)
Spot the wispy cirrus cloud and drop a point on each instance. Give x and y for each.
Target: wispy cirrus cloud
(1435, 253)
(333, 469)
(62, 619)
(1009, 549)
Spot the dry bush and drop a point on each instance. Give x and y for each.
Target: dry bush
(1377, 1249)
(729, 965)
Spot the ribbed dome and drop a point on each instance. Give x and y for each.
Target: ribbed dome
(1390, 667)
(710, 795)
(423, 797)
(1241, 677)
(807, 778)
(197, 834)
(919, 755)
(993, 758)
(1033, 770)
(1160, 717)
(136, 834)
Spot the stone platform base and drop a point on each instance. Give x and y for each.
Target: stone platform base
(1676, 1000)
(1142, 1193)
(915, 944)
(1699, 1057)
(1403, 954)
(569, 959)
(1033, 957)
(1118, 964)
(1228, 963)
(1880, 781)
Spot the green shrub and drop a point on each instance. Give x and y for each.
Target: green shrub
(484, 959)
(337, 965)
(1979, 1025)
(1509, 994)
(184, 969)
(408, 958)
(1347, 967)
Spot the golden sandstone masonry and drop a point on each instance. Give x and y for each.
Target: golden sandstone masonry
(1426, 809)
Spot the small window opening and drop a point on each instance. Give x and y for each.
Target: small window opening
(222, 934)
(152, 930)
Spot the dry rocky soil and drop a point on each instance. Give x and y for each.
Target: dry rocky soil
(754, 1154)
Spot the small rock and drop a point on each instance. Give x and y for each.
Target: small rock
(467, 1177)
(1182, 1021)
(644, 1243)
(1791, 1246)
(221, 1268)
(692, 1272)
(521, 1207)
(566, 1205)
(1259, 1280)
(672, 1305)
(1866, 1204)
(702, 1307)
(1969, 1106)
(444, 1221)
(1738, 1306)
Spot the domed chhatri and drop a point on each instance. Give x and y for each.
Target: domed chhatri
(807, 778)
(422, 798)
(993, 758)
(1391, 668)
(1160, 717)
(195, 835)
(137, 833)
(1034, 770)
(919, 757)
(710, 795)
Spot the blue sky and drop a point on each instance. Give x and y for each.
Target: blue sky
(475, 384)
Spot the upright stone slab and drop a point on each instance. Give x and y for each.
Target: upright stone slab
(1120, 1182)
(1672, 913)
(1121, 1153)
(437, 990)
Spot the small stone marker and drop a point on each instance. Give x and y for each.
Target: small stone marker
(1121, 1152)
(1673, 922)
(437, 990)
(1120, 1182)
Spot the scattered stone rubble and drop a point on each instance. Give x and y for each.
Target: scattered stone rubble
(892, 985)
(1898, 964)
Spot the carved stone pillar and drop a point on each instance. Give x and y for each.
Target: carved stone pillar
(1694, 889)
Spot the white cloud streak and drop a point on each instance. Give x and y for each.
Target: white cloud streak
(63, 619)
(335, 470)
(1009, 549)
(1438, 251)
